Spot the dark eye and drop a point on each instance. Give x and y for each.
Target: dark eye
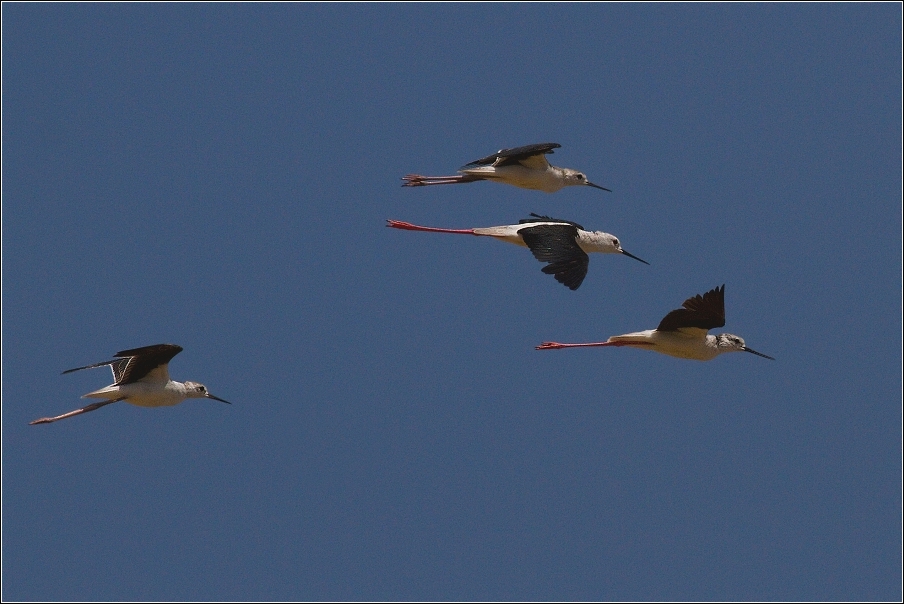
(615, 241)
(580, 177)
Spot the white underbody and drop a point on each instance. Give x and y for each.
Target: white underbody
(687, 343)
(144, 394)
(548, 180)
(507, 232)
(589, 241)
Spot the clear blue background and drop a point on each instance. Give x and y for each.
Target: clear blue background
(218, 176)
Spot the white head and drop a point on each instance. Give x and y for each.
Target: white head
(598, 241)
(573, 178)
(196, 390)
(728, 342)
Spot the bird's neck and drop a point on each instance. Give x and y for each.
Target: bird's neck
(593, 242)
(177, 387)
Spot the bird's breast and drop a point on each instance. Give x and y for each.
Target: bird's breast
(152, 395)
(684, 346)
(671, 343)
(547, 181)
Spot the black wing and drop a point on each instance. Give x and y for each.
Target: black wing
(514, 155)
(538, 218)
(557, 245)
(118, 366)
(705, 312)
(143, 360)
(134, 364)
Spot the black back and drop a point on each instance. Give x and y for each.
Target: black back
(515, 154)
(557, 245)
(705, 312)
(538, 218)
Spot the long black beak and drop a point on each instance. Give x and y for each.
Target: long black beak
(597, 186)
(217, 399)
(759, 354)
(632, 255)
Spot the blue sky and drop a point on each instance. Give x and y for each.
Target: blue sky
(218, 176)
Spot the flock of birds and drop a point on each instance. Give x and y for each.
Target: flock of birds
(141, 375)
(564, 246)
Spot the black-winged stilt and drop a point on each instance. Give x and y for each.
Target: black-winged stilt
(524, 167)
(682, 332)
(561, 243)
(140, 377)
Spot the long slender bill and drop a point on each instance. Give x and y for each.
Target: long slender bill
(635, 257)
(590, 184)
(759, 354)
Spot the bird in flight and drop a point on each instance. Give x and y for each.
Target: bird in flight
(560, 243)
(682, 332)
(524, 167)
(140, 377)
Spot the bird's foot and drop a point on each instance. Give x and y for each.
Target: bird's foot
(549, 346)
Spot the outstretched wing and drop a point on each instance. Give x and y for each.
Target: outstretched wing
(557, 245)
(530, 155)
(142, 361)
(703, 312)
(134, 364)
(117, 365)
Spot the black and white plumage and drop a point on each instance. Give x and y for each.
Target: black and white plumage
(561, 243)
(140, 377)
(525, 167)
(557, 244)
(704, 312)
(529, 155)
(135, 364)
(682, 332)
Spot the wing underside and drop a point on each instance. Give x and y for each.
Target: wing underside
(557, 245)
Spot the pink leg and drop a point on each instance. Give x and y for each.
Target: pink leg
(416, 180)
(556, 345)
(85, 409)
(398, 224)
